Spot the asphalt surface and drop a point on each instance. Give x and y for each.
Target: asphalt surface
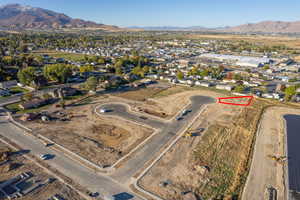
(116, 183)
(293, 152)
(80, 174)
(17, 97)
(168, 131)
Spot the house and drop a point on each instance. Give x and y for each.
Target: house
(8, 84)
(4, 93)
(35, 103)
(206, 84)
(64, 92)
(224, 87)
(267, 95)
(190, 82)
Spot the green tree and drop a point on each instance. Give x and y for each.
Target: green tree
(205, 72)
(180, 75)
(266, 67)
(86, 68)
(26, 75)
(101, 61)
(91, 83)
(289, 92)
(138, 71)
(58, 72)
(119, 70)
(239, 88)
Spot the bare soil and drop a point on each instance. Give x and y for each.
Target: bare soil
(214, 164)
(169, 102)
(102, 140)
(23, 165)
(265, 172)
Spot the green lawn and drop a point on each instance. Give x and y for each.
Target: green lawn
(67, 56)
(15, 108)
(17, 89)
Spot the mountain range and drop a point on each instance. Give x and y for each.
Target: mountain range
(16, 16)
(27, 17)
(261, 27)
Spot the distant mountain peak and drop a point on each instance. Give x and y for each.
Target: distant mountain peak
(28, 17)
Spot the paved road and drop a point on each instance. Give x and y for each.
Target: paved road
(80, 174)
(114, 184)
(167, 132)
(17, 97)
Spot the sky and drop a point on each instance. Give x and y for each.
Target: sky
(208, 13)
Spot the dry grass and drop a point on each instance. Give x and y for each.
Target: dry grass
(267, 40)
(226, 150)
(141, 94)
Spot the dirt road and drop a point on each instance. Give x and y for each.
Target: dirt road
(264, 171)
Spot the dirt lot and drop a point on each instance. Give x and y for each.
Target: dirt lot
(213, 165)
(168, 102)
(270, 141)
(17, 164)
(267, 40)
(141, 94)
(102, 140)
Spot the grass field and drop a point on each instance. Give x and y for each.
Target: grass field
(67, 56)
(15, 108)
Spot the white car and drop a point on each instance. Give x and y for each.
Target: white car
(43, 156)
(47, 156)
(103, 110)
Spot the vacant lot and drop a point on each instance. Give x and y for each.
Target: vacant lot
(102, 140)
(267, 40)
(170, 101)
(17, 164)
(213, 165)
(140, 94)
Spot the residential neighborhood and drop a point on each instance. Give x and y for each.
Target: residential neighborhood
(149, 100)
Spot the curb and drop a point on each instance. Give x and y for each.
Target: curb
(136, 185)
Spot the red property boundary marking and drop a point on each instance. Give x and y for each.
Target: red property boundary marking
(236, 104)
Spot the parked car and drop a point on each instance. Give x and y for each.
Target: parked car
(46, 156)
(103, 110)
(179, 118)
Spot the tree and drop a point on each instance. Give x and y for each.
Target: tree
(205, 72)
(27, 75)
(239, 88)
(58, 72)
(91, 83)
(138, 71)
(101, 61)
(119, 70)
(27, 97)
(146, 69)
(289, 92)
(194, 71)
(180, 75)
(237, 77)
(266, 67)
(86, 68)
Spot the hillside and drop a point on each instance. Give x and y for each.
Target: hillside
(268, 27)
(27, 17)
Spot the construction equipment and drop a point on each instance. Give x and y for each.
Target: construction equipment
(188, 134)
(278, 159)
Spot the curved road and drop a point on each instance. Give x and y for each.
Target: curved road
(168, 131)
(118, 181)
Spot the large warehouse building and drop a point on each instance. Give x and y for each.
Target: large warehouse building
(244, 61)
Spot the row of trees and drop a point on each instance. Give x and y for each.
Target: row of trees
(57, 72)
